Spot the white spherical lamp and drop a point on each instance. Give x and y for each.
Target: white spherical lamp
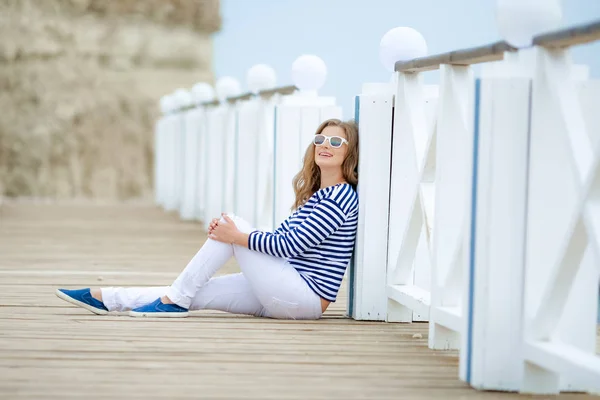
(227, 86)
(183, 98)
(401, 44)
(520, 20)
(261, 77)
(202, 92)
(165, 106)
(170, 103)
(309, 72)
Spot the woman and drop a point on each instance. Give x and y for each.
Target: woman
(292, 273)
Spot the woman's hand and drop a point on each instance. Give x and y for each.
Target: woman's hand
(213, 225)
(224, 232)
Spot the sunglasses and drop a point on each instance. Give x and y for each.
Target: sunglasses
(334, 141)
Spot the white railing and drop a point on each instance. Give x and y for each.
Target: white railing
(477, 199)
(490, 194)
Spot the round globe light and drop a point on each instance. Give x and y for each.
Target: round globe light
(165, 106)
(309, 72)
(170, 103)
(261, 77)
(183, 98)
(227, 87)
(520, 20)
(202, 92)
(401, 44)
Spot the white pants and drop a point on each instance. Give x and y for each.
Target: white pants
(267, 286)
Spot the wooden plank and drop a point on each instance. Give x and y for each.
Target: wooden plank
(283, 90)
(50, 349)
(570, 36)
(241, 97)
(475, 55)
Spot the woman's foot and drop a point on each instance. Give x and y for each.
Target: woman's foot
(84, 298)
(159, 309)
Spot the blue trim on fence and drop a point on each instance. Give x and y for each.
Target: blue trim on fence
(273, 222)
(351, 270)
(473, 230)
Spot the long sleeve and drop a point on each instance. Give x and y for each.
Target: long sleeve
(324, 219)
(284, 227)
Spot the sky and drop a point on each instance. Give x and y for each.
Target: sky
(346, 35)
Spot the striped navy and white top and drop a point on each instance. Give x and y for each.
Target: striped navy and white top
(317, 239)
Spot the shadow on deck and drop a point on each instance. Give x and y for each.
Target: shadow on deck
(50, 349)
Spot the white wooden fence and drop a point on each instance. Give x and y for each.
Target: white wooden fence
(484, 224)
(478, 200)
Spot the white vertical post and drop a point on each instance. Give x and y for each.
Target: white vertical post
(215, 139)
(172, 132)
(202, 93)
(263, 211)
(159, 151)
(373, 112)
(183, 100)
(531, 305)
(229, 157)
(221, 147)
(191, 160)
(492, 298)
(247, 147)
(203, 154)
(563, 235)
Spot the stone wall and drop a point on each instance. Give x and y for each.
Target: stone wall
(79, 87)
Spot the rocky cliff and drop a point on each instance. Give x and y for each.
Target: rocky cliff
(79, 87)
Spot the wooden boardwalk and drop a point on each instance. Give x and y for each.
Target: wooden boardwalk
(50, 349)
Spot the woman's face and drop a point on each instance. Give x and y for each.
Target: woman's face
(327, 156)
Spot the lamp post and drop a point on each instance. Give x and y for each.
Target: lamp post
(261, 77)
(520, 20)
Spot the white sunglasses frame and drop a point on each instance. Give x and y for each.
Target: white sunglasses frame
(328, 138)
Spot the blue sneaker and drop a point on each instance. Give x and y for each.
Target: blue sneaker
(82, 298)
(159, 310)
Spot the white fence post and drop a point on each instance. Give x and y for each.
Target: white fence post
(191, 160)
(184, 100)
(533, 279)
(229, 157)
(563, 235)
(161, 145)
(265, 186)
(373, 111)
(172, 158)
(491, 341)
(203, 154)
(193, 207)
(247, 148)
(215, 174)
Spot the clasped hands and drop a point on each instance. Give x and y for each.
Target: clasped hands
(226, 232)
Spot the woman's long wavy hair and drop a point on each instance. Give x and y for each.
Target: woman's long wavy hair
(308, 180)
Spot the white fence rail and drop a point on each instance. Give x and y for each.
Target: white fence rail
(478, 200)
